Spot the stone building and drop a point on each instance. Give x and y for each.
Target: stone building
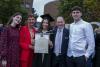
(28, 5)
(52, 8)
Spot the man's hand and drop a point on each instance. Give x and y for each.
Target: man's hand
(86, 58)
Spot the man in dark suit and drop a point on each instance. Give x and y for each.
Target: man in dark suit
(60, 39)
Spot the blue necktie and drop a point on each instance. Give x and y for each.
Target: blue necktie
(58, 42)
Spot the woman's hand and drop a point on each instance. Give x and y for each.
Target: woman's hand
(31, 47)
(50, 44)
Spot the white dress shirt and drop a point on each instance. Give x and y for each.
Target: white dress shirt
(81, 39)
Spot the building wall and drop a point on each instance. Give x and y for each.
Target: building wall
(52, 8)
(28, 5)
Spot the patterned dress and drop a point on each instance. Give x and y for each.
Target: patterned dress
(9, 42)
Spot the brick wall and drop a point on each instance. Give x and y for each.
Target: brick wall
(52, 8)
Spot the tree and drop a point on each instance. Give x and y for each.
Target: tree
(34, 13)
(91, 9)
(9, 7)
(65, 7)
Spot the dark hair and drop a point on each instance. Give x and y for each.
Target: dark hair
(41, 26)
(76, 8)
(11, 18)
(94, 26)
(30, 15)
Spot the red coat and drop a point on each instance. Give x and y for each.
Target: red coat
(25, 41)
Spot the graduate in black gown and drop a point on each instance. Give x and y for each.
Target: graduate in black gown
(44, 59)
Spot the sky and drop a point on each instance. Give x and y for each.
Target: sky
(39, 6)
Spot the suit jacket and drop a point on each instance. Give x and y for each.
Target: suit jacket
(61, 59)
(25, 41)
(65, 40)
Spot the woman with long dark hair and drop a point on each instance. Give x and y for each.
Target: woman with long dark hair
(9, 41)
(44, 59)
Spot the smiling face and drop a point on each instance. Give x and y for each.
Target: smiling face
(45, 24)
(76, 14)
(60, 22)
(17, 19)
(31, 21)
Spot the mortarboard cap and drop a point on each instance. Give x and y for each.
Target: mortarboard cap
(48, 17)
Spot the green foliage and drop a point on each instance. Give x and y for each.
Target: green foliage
(65, 7)
(8, 8)
(91, 9)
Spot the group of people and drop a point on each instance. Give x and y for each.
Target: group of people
(72, 47)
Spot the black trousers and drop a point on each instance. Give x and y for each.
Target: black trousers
(38, 62)
(76, 61)
(59, 61)
(96, 61)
